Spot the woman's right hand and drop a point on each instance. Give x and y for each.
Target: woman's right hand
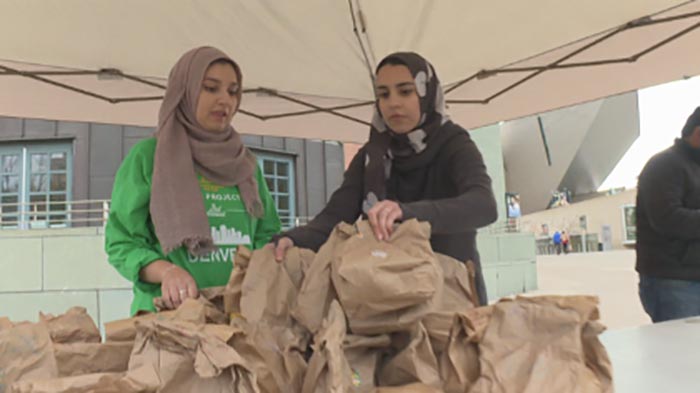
(176, 285)
(283, 244)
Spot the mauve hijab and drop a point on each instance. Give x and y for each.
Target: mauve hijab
(185, 149)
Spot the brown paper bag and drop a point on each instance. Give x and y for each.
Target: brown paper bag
(213, 313)
(596, 356)
(537, 345)
(197, 311)
(412, 388)
(269, 338)
(215, 295)
(234, 288)
(73, 326)
(256, 273)
(415, 361)
(267, 291)
(191, 310)
(191, 358)
(147, 381)
(363, 354)
(5, 323)
(317, 292)
(274, 353)
(26, 353)
(329, 371)
(123, 330)
(459, 362)
(213, 300)
(386, 286)
(457, 296)
(297, 261)
(212, 310)
(91, 358)
(438, 325)
(585, 306)
(597, 359)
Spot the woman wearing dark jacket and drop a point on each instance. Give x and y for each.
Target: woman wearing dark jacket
(416, 164)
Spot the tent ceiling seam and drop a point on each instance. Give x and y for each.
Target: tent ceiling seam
(360, 32)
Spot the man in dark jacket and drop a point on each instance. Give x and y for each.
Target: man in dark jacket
(668, 228)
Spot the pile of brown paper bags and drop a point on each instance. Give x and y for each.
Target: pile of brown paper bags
(358, 316)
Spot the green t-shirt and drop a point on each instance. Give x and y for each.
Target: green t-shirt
(130, 239)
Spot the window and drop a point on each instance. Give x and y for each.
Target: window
(629, 224)
(278, 171)
(35, 184)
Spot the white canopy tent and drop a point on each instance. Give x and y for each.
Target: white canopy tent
(107, 61)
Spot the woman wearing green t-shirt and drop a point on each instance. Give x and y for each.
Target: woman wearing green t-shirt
(183, 201)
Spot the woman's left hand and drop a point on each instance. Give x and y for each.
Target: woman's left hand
(382, 217)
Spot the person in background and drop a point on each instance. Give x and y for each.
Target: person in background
(514, 206)
(184, 200)
(416, 164)
(565, 242)
(556, 239)
(668, 228)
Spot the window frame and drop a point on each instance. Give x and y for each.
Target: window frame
(25, 218)
(287, 216)
(626, 240)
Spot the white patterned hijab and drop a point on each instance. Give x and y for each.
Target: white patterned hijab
(387, 149)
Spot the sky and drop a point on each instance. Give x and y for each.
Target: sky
(663, 110)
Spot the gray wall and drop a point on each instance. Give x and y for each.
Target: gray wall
(14, 130)
(585, 143)
(488, 140)
(319, 167)
(614, 129)
(98, 150)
